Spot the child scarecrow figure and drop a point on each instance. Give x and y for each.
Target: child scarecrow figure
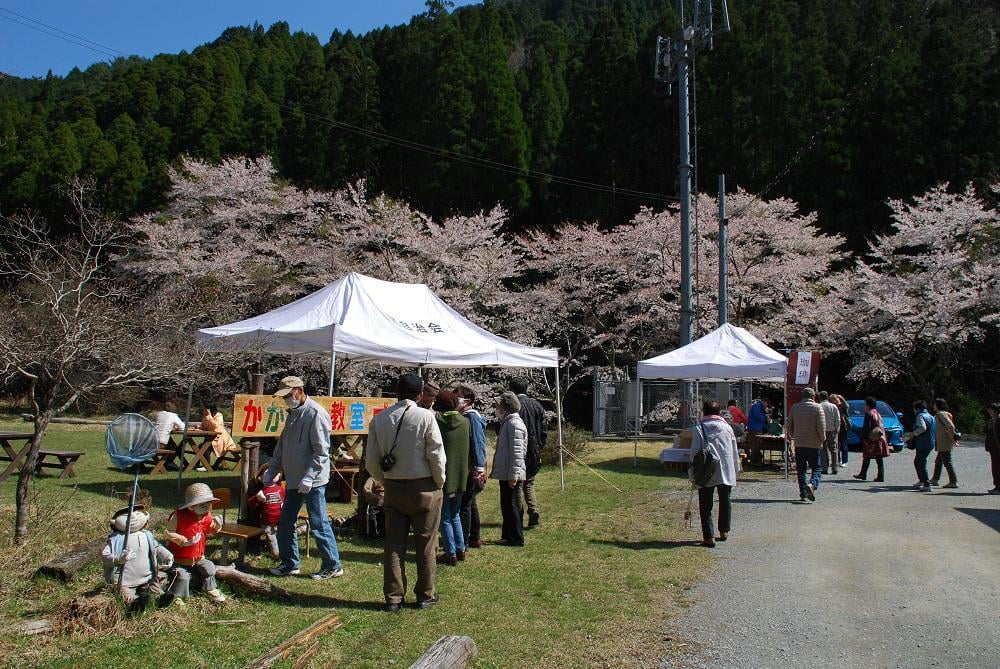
(187, 528)
(141, 562)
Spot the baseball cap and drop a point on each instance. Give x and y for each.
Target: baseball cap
(287, 384)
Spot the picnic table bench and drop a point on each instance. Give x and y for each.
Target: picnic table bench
(64, 460)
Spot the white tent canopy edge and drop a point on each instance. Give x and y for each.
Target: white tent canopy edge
(362, 318)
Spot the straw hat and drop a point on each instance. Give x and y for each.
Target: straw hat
(197, 493)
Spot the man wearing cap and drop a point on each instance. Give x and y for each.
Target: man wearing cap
(806, 427)
(428, 394)
(303, 455)
(405, 452)
(533, 414)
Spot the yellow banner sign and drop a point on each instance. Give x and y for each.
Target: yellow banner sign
(264, 416)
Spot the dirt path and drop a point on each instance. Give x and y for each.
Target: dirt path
(870, 575)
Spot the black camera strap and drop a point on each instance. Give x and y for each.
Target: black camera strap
(398, 426)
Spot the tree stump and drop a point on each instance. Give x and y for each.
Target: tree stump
(448, 652)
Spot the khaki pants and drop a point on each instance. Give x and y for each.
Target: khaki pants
(831, 452)
(416, 503)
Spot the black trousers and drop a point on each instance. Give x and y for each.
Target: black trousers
(510, 509)
(920, 464)
(469, 514)
(706, 496)
(881, 468)
(943, 459)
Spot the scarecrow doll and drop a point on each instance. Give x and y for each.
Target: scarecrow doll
(137, 563)
(187, 528)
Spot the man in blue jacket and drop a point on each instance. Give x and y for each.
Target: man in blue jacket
(923, 443)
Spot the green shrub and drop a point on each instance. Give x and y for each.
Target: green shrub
(969, 414)
(575, 440)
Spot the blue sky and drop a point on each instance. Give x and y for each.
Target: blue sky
(149, 27)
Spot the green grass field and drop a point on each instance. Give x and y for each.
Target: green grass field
(594, 586)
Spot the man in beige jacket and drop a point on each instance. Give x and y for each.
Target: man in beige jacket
(405, 453)
(806, 427)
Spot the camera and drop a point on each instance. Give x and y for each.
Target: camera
(388, 462)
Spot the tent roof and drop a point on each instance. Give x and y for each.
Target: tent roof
(368, 319)
(727, 352)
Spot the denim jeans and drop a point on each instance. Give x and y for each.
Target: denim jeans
(843, 448)
(288, 540)
(452, 537)
(808, 457)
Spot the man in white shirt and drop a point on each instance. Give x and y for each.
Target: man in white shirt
(166, 422)
(405, 453)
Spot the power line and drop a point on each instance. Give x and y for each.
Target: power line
(413, 145)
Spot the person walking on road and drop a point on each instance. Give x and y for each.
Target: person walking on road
(806, 427)
(302, 454)
(406, 454)
(715, 435)
(874, 445)
(944, 441)
(993, 444)
(831, 444)
(924, 432)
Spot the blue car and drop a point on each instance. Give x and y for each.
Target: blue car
(890, 421)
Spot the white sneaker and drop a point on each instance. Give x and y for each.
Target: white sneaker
(216, 596)
(281, 570)
(810, 492)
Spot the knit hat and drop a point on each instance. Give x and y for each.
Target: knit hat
(139, 518)
(197, 493)
(287, 384)
(508, 401)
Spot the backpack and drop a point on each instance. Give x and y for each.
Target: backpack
(703, 463)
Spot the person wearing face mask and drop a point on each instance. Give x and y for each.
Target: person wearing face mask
(302, 454)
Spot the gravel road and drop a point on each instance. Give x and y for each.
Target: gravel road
(870, 575)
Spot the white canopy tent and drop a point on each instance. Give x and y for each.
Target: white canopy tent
(728, 353)
(362, 318)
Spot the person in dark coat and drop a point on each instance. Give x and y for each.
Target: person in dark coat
(874, 444)
(533, 415)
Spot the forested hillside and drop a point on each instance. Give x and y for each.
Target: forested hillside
(547, 107)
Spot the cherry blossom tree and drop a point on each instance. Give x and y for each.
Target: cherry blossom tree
(926, 289)
(71, 328)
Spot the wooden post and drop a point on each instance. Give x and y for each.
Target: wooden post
(448, 652)
(248, 468)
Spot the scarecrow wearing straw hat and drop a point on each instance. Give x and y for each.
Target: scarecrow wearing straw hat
(138, 562)
(187, 528)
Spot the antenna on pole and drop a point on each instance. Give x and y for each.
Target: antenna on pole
(674, 58)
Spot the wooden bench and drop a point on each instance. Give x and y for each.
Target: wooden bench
(63, 460)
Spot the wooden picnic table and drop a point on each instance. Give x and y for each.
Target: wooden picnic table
(12, 455)
(193, 449)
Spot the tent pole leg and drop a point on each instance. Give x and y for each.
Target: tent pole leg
(187, 421)
(333, 359)
(784, 406)
(559, 418)
(638, 395)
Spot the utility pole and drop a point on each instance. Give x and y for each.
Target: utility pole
(723, 254)
(673, 63)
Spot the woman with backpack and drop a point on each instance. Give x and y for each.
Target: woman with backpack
(717, 472)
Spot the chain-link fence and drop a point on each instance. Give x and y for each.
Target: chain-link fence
(658, 404)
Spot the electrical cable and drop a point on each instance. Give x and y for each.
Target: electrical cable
(484, 163)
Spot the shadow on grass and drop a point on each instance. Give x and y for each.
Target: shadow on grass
(163, 489)
(988, 517)
(645, 545)
(645, 466)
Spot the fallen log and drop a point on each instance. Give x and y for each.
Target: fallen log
(324, 624)
(65, 566)
(250, 583)
(306, 656)
(448, 652)
(41, 626)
